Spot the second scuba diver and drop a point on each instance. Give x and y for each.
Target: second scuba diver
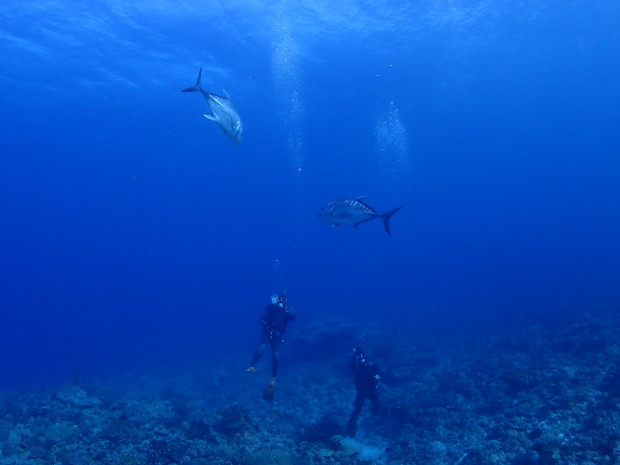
(367, 376)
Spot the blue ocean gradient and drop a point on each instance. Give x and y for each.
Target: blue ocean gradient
(134, 235)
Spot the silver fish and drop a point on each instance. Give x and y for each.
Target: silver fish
(222, 111)
(353, 212)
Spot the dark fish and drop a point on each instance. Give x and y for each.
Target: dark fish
(353, 212)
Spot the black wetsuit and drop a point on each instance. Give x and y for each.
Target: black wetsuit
(274, 323)
(367, 377)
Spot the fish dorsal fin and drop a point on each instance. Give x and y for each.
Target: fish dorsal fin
(360, 198)
(226, 94)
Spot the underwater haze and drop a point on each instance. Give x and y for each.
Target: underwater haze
(136, 236)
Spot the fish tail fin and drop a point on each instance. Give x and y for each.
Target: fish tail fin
(196, 87)
(386, 219)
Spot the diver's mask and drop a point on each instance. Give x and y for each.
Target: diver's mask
(279, 300)
(360, 356)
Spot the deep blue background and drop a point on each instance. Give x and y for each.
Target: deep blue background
(134, 234)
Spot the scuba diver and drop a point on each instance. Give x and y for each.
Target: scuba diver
(367, 377)
(274, 321)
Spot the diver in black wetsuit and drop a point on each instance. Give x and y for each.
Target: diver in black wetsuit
(367, 377)
(274, 321)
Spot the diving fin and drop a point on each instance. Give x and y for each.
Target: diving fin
(270, 390)
(351, 427)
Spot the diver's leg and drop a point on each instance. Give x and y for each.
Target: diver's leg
(358, 404)
(275, 356)
(351, 427)
(270, 389)
(262, 345)
(258, 353)
(376, 405)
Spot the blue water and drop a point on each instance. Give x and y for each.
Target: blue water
(134, 234)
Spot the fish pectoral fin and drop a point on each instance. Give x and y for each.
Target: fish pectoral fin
(226, 94)
(211, 117)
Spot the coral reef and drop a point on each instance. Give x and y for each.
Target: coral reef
(545, 392)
